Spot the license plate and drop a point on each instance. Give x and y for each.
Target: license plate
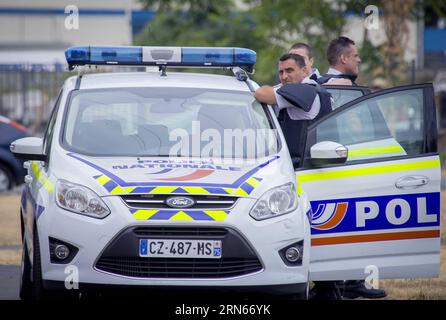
(170, 248)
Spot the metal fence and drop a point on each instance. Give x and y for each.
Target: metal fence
(28, 93)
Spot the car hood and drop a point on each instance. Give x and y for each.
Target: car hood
(161, 175)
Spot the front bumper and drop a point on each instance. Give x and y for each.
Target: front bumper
(121, 257)
(257, 243)
(284, 289)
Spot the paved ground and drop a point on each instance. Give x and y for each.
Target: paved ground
(14, 247)
(9, 279)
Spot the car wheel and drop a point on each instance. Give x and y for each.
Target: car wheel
(6, 180)
(305, 294)
(25, 273)
(300, 295)
(38, 292)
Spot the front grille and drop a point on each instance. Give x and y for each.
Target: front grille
(178, 267)
(121, 256)
(155, 201)
(181, 232)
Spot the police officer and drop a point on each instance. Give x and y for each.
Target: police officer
(343, 57)
(344, 60)
(297, 98)
(306, 52)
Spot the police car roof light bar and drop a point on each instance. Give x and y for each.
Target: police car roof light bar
(161, 56)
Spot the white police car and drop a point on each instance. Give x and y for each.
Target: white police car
(151, 179)
(131, 184)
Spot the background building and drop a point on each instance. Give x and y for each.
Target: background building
(34, 35)
(39, 31)
(33, 38)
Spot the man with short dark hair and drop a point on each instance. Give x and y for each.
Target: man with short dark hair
(343, 57)
(306, 52)
(291, 69)
(297, 98)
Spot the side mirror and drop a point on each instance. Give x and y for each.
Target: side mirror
(30, 148)
(328, 152)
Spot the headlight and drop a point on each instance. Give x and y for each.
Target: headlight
(275, 202)
(80, 199)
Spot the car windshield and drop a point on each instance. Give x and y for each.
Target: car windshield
(168, 122)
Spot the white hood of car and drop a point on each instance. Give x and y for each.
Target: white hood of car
(122, 175)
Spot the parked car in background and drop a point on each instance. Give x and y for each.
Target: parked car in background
(12, 172)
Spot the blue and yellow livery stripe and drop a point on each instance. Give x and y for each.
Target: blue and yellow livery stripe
(163, 190)
(123, 183)
(247, 187)
(373, 151)
(195, 190)
(299, 189)
(42, 177)
(365, 171)
(182, 215)
(113, 188)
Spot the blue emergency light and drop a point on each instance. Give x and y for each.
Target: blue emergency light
(161, 56)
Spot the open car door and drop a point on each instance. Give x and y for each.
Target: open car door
(379, 209)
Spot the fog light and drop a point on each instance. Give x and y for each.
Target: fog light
(292, 254)
(62, 252)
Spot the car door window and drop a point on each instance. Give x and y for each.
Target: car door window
(344, 94)
(385, 126)
(341, 97)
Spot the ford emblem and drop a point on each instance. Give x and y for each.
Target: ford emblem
(180, 202)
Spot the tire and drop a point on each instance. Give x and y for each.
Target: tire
(38, 293)
(6, 178)
(25, 273)
(305, 294)
(301, 295)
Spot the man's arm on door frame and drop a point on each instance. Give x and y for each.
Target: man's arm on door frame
(266, 95)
